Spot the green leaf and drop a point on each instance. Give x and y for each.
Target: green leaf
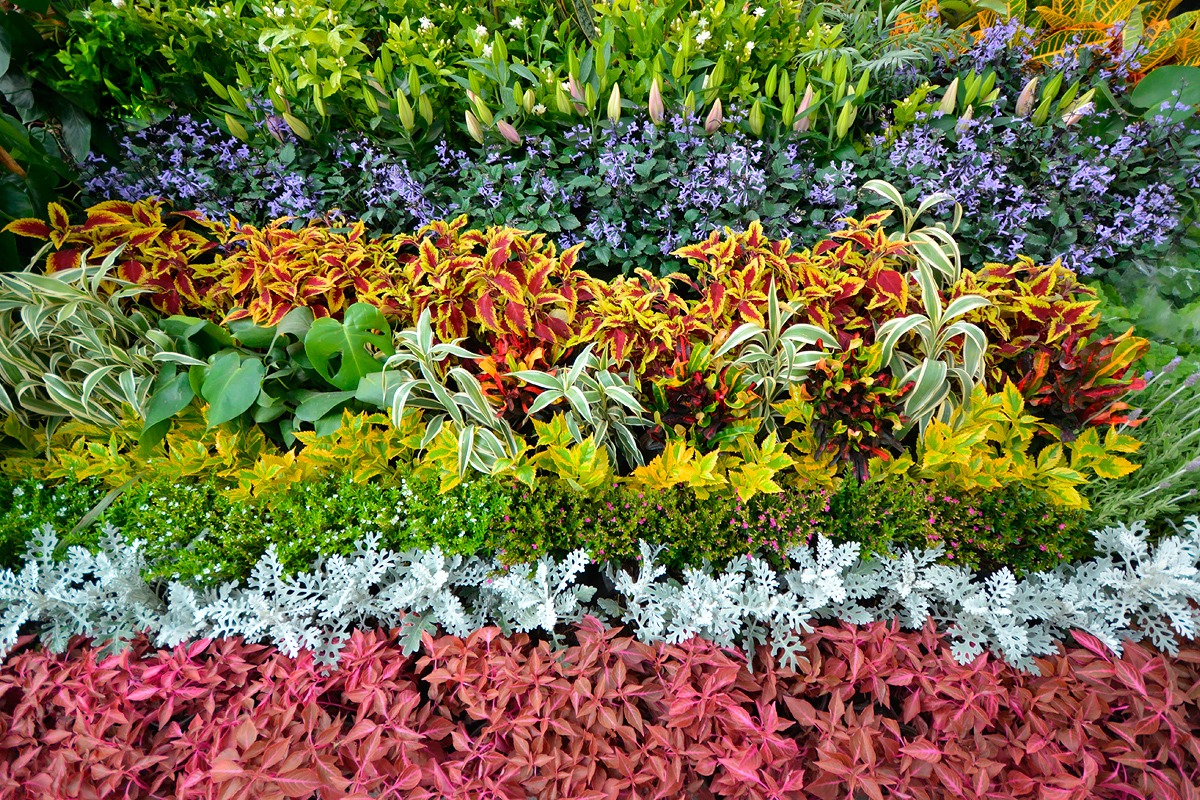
(231, 386)
(5, 52)
(171, 394)
(339, 350)
(1157, 87)
(317, 404)
(77, 131)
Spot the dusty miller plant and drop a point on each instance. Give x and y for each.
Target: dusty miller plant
(1133, 590)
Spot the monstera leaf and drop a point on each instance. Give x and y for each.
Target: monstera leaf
(344, 352)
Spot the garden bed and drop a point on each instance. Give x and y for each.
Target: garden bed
(634, 399)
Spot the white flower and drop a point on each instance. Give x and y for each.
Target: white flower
(517, 23)
(758, 12)
(539, 109)
(426, 23)
(487, 51)
(749, 48)
(702, 37)
(481, 31)
(118, 3)
(703, 22)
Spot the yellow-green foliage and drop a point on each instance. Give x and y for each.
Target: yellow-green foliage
(988, 443)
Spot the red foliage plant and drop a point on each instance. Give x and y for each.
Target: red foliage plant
(872, 712)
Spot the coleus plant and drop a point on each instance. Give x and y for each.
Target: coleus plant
(499, 281)
(265, 273)
(154, 252)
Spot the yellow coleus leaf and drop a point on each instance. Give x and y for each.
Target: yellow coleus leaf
(1012, 401)
(1113, 466)
(1064, 495)
(752, 479)
(553, 433)
(1121, 443)
(440, 461)
(584, 466)
(679, 464)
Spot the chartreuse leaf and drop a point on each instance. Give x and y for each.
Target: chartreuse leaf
(584, 466)
(680, 464)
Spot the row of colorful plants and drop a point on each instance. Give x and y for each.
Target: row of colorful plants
(1074, 126)
(871, 710)
(725, 428)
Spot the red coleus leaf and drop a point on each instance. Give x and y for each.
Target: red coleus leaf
(32, 228)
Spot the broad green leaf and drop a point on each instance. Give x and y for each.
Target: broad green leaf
(317, 404)
(339, 351)
(231, 386)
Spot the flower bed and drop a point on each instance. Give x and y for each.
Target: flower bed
(843, 356)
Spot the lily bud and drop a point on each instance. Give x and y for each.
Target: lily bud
(845, 120)
(714, 118)
(528, 101)
(804, 123)
(614, 104)
(508, 131)
(689, 104)
(405, 110)
(756, 118)
(1078, 112)
(1025, 100)
(950, 98)
(657, 111)
(474, 128)
(573, 88)
(965, 120)
(561, 100)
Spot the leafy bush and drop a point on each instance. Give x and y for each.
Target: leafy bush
(206, 530)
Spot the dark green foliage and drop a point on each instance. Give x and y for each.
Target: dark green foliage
(193, 530)
(27, 505)
(1011, 527)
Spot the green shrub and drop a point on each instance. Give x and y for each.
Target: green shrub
(193, 530)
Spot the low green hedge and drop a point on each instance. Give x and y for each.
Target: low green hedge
(194, 530)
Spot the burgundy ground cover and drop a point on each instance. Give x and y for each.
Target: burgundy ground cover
(875, 713)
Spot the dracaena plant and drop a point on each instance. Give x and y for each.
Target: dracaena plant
(936, 361)
(597, 398)
(74, 345)
(485, 440)
(775, 356)
(935, 244)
